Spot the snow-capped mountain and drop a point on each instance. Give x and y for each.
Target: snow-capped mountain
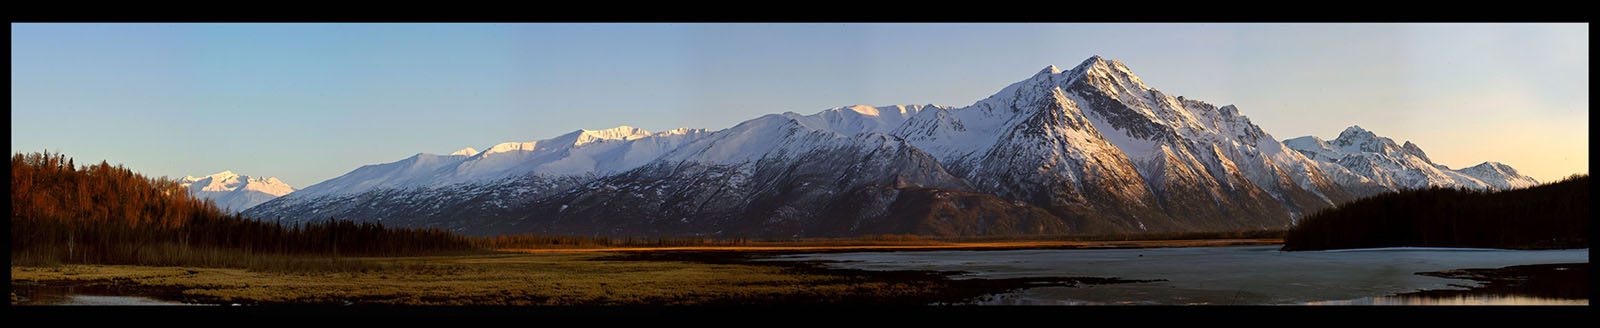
(1111, 146)
(234, 192)
(428, 185)
(781, 175)
(578, 153)
(1092, 149)
(1375, 162)
(1498, 175)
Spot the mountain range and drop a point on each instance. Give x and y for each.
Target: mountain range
(1365, 161)
(233, 192)
(1091, 149)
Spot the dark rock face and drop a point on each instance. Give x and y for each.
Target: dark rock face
(878, 209)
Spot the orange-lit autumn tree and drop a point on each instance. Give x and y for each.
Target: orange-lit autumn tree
(108, 214)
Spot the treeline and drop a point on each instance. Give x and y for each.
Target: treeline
(1553, 215)
(529, 241)
(533, 241)
(1127, 236)
(65, 213)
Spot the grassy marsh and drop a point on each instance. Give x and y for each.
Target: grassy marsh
(499, 279)
(637, 278)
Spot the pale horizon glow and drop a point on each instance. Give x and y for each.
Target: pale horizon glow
(309, 102)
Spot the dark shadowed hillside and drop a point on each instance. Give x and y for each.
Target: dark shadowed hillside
(1554, 215)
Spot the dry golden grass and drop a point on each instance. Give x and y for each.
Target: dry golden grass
(553, 277)
(501, 279)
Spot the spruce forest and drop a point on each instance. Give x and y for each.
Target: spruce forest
(65, 213)
(1548, 216)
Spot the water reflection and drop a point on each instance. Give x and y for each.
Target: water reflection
(1457, 300)
(1387, 300)
(76, 295)
(104, 300)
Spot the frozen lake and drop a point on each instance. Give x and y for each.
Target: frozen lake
(1220, 275)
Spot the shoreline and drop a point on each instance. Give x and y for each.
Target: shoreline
(947, 290)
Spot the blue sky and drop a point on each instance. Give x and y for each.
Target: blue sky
(309, 102)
